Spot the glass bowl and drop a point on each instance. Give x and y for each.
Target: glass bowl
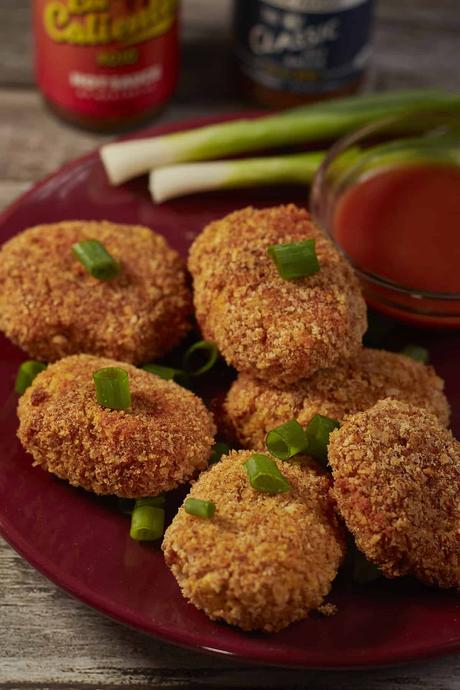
(370, 150)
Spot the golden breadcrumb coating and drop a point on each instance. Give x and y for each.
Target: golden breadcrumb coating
(252, 408)
(263, 561)
(51, 306)
(159, 443)
(275, 329)
(396, 473)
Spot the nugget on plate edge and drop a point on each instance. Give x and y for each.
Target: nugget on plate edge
(262, 561)
(161, 441)
(396, 474)
(51, 305)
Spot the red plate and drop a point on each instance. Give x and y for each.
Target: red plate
(82, 544)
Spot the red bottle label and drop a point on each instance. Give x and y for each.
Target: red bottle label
(105, 58)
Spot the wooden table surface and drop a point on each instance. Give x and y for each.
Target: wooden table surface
(48, 640)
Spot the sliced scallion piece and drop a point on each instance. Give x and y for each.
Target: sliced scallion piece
(168, 373)
(218, 451)
(26, 374)
(264, 474)
(417, 353)
(96, 259)
(112, 388)
(286, 440)
(200, 357)
(317, 433)
(147, 523)
(295, 260)
(199, 507)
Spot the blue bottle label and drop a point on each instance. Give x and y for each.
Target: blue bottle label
(303, 46)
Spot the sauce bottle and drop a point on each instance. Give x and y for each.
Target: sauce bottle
(290, 52)
(106, 64)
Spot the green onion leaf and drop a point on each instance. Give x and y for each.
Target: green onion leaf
(417, 353)
(96, 259)
(112, 388)
(317, 433)
(218, 451)
(200, 357)
(147, 523)
(199, 508)
(286, 440)
(168, 373)
(157, 501)
(295, 260)
(264, 474)
(26, 374)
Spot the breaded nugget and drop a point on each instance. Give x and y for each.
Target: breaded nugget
(158, 443)
(276, 329)
(51, 306)
(252, 408)
(263, 561)
(396, 473)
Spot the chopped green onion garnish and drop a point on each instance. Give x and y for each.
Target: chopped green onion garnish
(168, 373)
(96, 259)
(112, 388)
(218, 451)
(286, 440)
(158, 501)
(317, 433)
(200, 357)
(416, 352)
(200, 508)
(264, 474)
(147, 523)
(363, 570)
(295, 260)
(26, 374)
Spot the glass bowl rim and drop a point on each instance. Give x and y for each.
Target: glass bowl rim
(317, 192)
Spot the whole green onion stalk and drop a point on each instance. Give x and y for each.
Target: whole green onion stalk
(320, 121)
(299, 168)
(191, 178)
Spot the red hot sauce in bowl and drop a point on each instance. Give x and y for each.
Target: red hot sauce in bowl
(403, 224)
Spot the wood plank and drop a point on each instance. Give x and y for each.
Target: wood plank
(33, 143)
(49, 640)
